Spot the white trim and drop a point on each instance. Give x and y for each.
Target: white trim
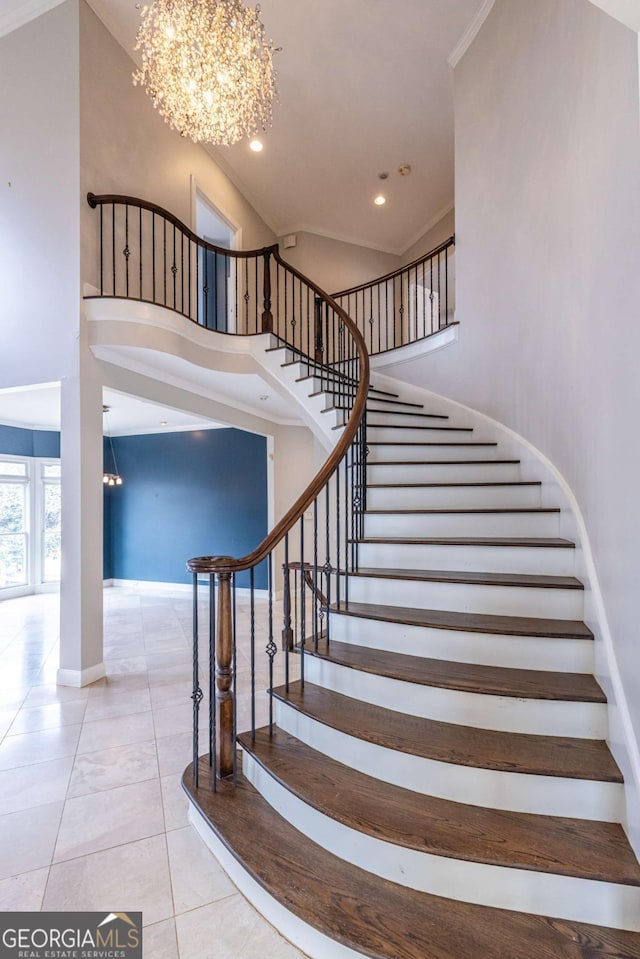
(470, 34)
(81, 677)
(19, 14)
(311, 941)
(411, 351)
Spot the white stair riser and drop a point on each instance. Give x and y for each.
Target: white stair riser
(545, 795)
(461, 524)
(538, 717)
(468, 598)
(437, 451)
(376, 414)
(463, 497)
(407, 434)
(483, 649)
(522, 890)
(429, 472)
(548, 561)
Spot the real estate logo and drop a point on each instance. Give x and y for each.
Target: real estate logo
(71, 935)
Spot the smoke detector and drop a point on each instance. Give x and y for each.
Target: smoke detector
(404, 170)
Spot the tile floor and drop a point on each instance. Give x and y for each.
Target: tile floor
(92, 815)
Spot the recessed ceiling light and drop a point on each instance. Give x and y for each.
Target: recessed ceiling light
(383, 176)
(256, 146)
(380, 200)
(163, 422)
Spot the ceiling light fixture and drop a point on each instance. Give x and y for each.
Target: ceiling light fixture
(380, 200)
(207, 68)
(111, 479)
(256, 146)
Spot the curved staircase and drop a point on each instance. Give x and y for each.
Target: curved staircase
(440, 783)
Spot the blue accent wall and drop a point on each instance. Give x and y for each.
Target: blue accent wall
(184, 495)
(20, 442)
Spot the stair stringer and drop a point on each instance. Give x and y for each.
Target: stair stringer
(556, 491)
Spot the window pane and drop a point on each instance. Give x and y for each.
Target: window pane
(51, 470)
(7, 468)
(13, 560)
(12, 508)
(52, 552)
(52, 506)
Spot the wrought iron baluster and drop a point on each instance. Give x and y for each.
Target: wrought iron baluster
(272, 649)
(213, 744)
(196, 694)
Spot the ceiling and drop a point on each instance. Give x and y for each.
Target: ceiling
(38, 407)
(364, 87)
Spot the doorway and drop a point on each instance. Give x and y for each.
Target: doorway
(217, 271)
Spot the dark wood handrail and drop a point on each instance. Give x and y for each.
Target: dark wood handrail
(402, 269)
(105, 198)
(226, 564)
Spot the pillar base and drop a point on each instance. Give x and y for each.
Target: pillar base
(81, 677)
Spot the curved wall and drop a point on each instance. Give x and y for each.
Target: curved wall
(548, 283)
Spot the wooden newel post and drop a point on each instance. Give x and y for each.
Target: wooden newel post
(224, 676)
(267, 315)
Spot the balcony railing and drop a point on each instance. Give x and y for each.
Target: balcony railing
(407, 305)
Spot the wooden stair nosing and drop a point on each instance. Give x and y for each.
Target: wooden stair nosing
(400, 426)
(476, 485)
(468, 622)
(430, 416)
(526, 753)
(462, 677)
(443, 462)
(373, 916)
(579, 848)
(408, 511)
(525, 542)
(417, 443)
(471, 578)
(326, 373)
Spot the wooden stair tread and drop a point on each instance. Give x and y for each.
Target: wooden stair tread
(399, 426)
(373, 916)
(471, 578)
(464, 677)
(430, 416)
(549, 844)
(325, 374)
(444, 462)
(477, 485)
(450, 743)
(553, 542)
(463, 510)
(468, 622)
(422, 443)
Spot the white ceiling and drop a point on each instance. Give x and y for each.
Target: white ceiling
(38, 407)
(364, 86)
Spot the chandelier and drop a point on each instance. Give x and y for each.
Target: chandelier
(207, 68)
(111, 479)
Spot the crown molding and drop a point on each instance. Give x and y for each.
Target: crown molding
(470, 33)
(20, 12)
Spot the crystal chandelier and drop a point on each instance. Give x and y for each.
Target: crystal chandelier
(207, 68)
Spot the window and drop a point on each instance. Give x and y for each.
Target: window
(30, 522)
(50, 540)
(14, 523)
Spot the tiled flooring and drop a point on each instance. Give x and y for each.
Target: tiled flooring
(92, 815)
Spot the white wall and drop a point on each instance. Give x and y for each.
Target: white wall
(438, 233)
(127, 148)
(39, 224)
(335, 265)
(548, 275)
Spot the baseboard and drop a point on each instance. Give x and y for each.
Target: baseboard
(81, 677)
(158, 587)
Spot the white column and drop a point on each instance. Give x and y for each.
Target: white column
(81, 658)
